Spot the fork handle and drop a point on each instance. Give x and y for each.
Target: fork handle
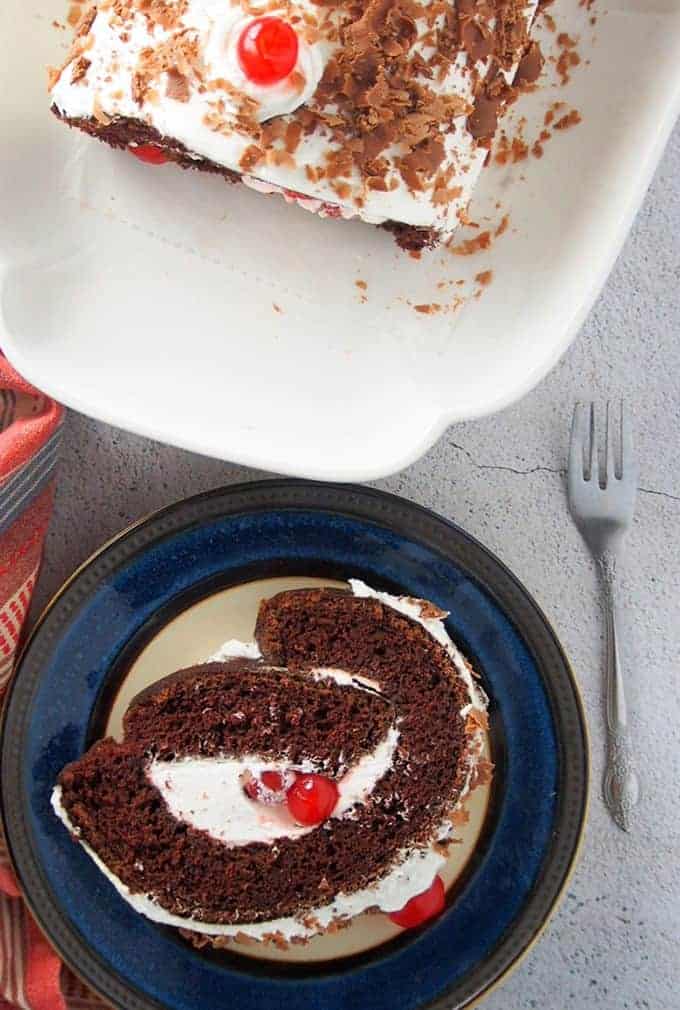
(621, 785)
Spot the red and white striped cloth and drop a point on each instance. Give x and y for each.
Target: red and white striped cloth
(31, 974)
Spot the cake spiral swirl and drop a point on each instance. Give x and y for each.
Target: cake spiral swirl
(359, 687)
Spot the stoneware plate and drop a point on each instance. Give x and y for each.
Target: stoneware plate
(164, 594)
(226, 322)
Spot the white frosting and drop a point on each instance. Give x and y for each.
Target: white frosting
(343, 677)
(192, 789)
(234, 649)
(216, 24)
(207, 793)
(358, 783)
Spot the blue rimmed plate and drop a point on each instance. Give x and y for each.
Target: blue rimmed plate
(164, 587)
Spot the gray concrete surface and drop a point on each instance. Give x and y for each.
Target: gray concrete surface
(614, 943)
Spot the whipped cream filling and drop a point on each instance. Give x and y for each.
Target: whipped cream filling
(345, 678)
(113, 56)
(413, 871)
(207, 793)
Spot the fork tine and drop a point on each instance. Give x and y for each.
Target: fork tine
(594, 466)
(577, 442)
(627, 457)
(610, 463)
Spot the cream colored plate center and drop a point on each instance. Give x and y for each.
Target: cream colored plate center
(196, 634)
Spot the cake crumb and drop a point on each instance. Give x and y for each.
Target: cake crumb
(503, 226)
(572, 118)
(470, 246)
(447, 284)
(512, 151)
(75, 12)
(477, 718)
(244, 939)
(277, 308)
(568, 58)
(53, 75)
(361, 284)
(482, 774)
(460, 817)
(484, 278)
(428, 309)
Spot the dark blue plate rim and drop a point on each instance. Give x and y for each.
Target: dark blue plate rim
(404, 518)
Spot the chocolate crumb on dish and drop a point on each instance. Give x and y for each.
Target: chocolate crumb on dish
(382, 110)
(282, 789)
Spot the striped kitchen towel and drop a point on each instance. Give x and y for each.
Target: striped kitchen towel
(31, 974)
(29, 440)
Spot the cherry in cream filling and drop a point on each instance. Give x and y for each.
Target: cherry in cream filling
(213, 794)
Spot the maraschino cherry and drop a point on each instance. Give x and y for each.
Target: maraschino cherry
(273, 781)
(312, 798)
(149, 153)
(422, 907)
(267, 50)
(270, 787)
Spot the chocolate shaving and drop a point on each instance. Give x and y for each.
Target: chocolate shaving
(572, 118)
(483, 122)
(476, 717)
(78, 69)
(476, 38)
(293, 136)
(468, 247)
(530, 66)
(85, 23)
(177, 86)
(460, 817)
(376, 107)
(53, 75)
(431, 612)
(482, 774)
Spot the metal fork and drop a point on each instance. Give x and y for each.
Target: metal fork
(601, 501)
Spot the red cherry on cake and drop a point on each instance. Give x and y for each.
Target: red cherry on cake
(149, 153)
(269, 787)
(267, 50)
(422, 907)
(273, 781)
(312, 798)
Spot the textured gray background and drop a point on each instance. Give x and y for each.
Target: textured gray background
(615, 941)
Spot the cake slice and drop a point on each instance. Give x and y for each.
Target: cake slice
(278, 797)
(381, 110)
